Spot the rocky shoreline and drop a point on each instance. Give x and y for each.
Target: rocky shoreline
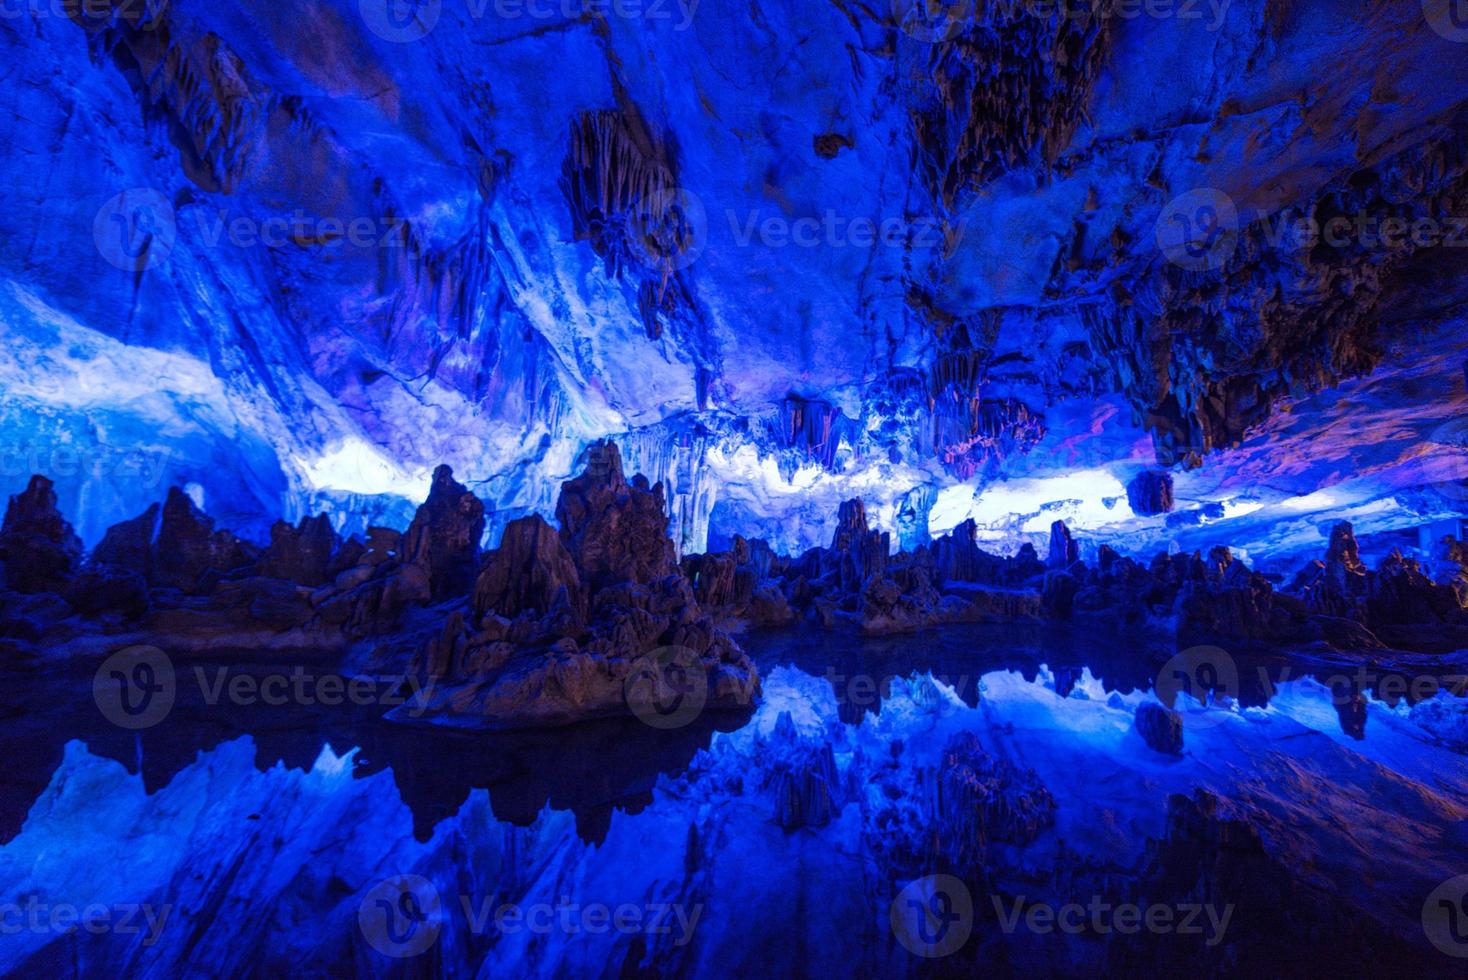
(559, 624)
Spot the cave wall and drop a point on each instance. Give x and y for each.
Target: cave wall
(293, 256)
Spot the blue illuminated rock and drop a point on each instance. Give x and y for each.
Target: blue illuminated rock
(311, 273)
(1150, 492)
(1161, 728)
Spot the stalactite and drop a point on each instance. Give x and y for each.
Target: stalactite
(1206, 355)
(202, 93)
(813, 429)
(1007, 92)
(675, 455)
(616, 189)
(626, 203)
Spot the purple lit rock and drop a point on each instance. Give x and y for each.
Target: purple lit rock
(129, 544)
(529, 572)
(562, 622)
(984, 800)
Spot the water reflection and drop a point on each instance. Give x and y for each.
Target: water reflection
(861, 669)
(590, 770)
(595, 769)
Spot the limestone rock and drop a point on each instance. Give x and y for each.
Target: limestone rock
(802, 778)
(1064, 550)
(38, 548)
(444, 536)
(982, 799)
(527, 572)
(129, 544)
(1150, 492)
(101, 589)
(563, 622)
(1060, 593)
(301, 554)
(189, 553)
(1160, 727)
(614, 531)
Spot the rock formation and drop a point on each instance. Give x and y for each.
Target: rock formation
(1182, 599)
(38, 549)
(589, 598)
(1398, 604)
(562, 623)
(189, 554)
(802, 778)
(1150, 492)
(1161, 728)
(984, 800)
(444, 536)
(302, 553)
